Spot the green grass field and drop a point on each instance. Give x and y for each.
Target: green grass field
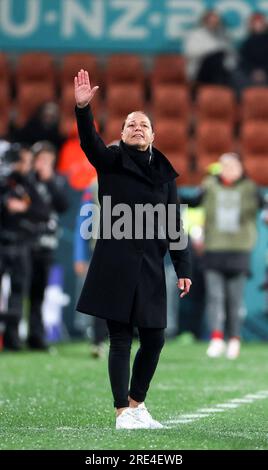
(62, 400)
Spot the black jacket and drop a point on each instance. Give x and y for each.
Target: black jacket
(53, 196)
(21, 227)
(126, 279)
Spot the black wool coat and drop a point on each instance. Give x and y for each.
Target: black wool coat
(126, 279)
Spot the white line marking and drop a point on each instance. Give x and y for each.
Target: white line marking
(193, 416)
(177, 421)
(227, 405)
(210, 410)
(242, 400)
(256, 397)
(219, 408)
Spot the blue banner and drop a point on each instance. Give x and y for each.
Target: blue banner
(113, 25)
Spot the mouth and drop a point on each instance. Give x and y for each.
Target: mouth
(138, 135)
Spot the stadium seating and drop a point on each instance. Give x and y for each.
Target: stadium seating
(30, 96)
(212, 140)
(215, 103)
(113, 130)
(72, 63)
(124, 68)
(35, 67)
(254, 104)
(171, 135)
(168, 68)
(171, 101)
(124, 98)
(122, 79)
(257, 169)
(5, 108)
(5, 69)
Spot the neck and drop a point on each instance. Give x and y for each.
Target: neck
(141, 148)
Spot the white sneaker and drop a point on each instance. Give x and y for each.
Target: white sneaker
(216, 347)
(143, 415)
(233, 348)
(128, 420)
(98, 351)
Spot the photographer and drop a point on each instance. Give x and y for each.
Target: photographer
(21, 208)
(51, 188)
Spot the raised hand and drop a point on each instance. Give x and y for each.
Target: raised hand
(82, 89)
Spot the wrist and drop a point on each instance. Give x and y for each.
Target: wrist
(81, 106)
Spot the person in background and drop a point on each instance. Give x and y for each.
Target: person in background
(209, 52)
(42, 126)
(52, 190)
(83, 250)
(230, 201)
(253, 62)
(22, 209)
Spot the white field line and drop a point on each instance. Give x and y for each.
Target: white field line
(228, 405)
(242, 400)
(220, 407)
(211, 410)
(194, 415)
(180, 421)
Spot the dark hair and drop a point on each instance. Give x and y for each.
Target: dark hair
(43, 146)
(25, 147)
(142, 112)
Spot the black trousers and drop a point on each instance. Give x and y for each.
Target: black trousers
(144, 366)
(99, 330)
(13, 261)
(41, 263)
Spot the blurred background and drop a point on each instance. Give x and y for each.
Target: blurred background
(199, 68)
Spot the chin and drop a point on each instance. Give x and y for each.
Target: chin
(138, 142)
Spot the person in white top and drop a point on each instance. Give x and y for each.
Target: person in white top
(208, 41)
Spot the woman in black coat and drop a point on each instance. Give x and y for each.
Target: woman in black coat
(125, 283)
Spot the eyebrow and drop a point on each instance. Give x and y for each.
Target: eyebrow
(142, 122)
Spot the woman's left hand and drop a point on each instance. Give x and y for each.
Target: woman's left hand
(184, 284)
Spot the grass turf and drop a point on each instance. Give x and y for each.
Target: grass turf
(62, 400)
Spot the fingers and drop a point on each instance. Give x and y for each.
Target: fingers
(184, 284)
(87, 78)
(93, 91)
(82, 78)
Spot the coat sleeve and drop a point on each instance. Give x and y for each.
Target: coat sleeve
(100, 156)
(180, 257)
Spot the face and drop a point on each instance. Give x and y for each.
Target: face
(138, 131)
(258, 24)
(212, 21)
(24, 165)
(231, 169)
(50, 114)
(44, 160)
